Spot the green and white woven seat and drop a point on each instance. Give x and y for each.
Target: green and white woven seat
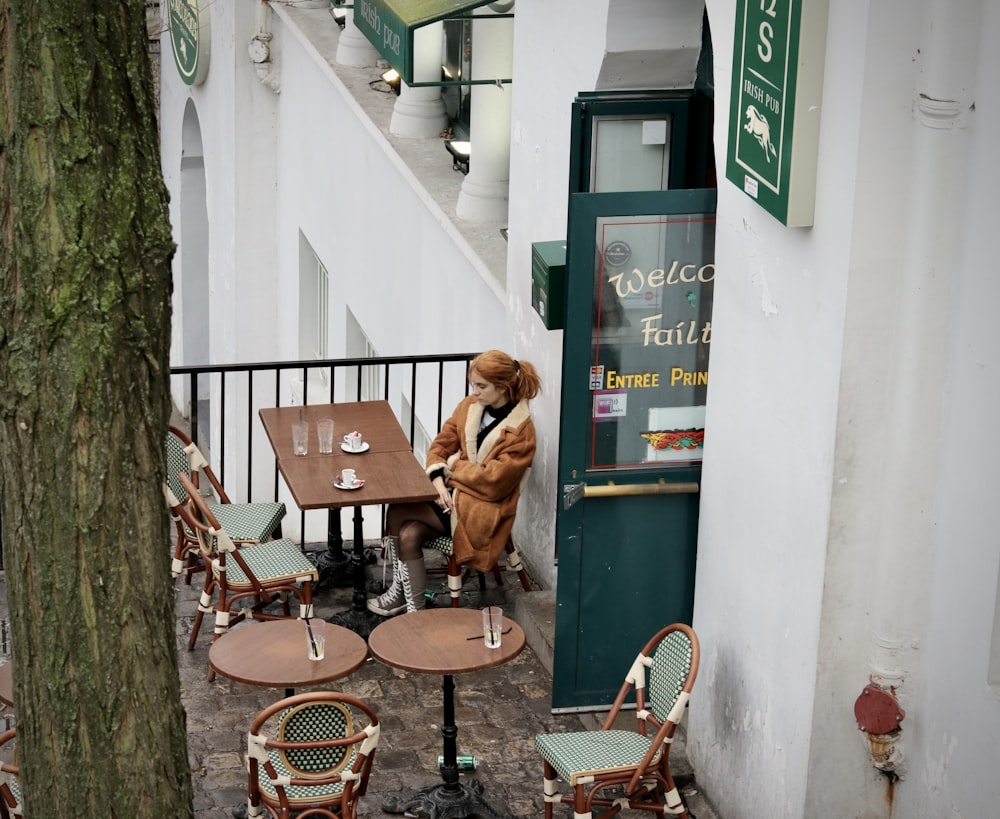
(246, 523)
(612, 769)
(243, 581)
(319, 756)
(10, 786)
(443, 544)
(581, 754)
(273, 561)
(262, 572)
(249, 522)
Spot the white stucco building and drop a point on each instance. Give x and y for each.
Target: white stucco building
(848, 523)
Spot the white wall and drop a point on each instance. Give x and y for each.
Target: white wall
(776, 337)
(553, 62)
(392, 258)
(842, 543)
(956, 728)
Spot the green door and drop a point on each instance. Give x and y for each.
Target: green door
(640, 271)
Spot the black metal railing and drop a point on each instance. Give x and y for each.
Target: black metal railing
(353, 384)
(430, 386)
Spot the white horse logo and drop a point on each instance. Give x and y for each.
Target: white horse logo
(757, 126)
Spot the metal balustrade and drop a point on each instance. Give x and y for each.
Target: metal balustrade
(218, 399)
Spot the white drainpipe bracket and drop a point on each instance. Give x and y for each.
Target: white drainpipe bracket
(259, 49)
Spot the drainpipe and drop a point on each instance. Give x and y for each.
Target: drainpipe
(917, 370)
(259, 49)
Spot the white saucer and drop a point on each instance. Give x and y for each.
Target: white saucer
(347, 449)
(358, 483)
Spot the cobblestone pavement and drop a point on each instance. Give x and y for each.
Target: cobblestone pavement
(498, 712)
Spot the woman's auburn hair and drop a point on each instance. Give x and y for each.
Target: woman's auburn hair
(519, 379)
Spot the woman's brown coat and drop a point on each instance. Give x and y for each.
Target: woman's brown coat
(485, 481)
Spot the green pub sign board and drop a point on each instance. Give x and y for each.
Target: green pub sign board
(775, 106)
(190, 38)
(385, 29)
(389, 25)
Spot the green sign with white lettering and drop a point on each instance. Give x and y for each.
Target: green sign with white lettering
(775, 105)
(387, 31)
(389, 25)
(190, 37)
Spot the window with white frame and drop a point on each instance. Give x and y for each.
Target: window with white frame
(993, 671)
(366, 385)
(421, 440)
(314, 302)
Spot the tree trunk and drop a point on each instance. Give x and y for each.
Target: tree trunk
(85, 277)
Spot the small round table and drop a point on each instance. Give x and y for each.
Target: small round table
(447, 642)
(274, 654)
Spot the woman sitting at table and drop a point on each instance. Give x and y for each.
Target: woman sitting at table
(477, 464)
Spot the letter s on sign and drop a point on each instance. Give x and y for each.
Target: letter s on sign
(764, 46)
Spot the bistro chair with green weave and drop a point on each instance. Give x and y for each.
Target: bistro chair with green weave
(10, 786)
(245, 522)
(443, 544)
(263, 574)
(311, 754)
(613, 769)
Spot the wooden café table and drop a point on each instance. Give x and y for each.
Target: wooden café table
(446, 642)
(274, 654)
(388, 467)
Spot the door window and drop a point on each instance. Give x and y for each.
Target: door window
(651, 329)
(630, 154)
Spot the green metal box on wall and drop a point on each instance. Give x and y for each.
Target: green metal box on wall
(548, 282)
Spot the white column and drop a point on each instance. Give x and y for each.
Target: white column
(353, 48)
(483, 197)
(420, 112)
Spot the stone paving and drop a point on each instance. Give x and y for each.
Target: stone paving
(498, 712)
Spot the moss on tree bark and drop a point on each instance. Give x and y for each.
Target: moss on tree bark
(85, 254)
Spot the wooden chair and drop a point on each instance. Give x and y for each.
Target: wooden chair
(10, 787)
(245, 522)
(614, 769)
(317, 760)
(266, 573)
(443, 544)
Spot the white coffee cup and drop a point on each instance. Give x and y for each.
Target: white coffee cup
(354, 440)
(348, 477)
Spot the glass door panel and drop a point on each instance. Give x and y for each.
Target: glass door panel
(649, 340)
(630, 154)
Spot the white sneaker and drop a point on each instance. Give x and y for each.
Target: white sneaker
(389, 603)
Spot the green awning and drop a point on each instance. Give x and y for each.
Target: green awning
(389, 25)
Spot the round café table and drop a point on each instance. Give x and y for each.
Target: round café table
(274, 654)
(446, 642)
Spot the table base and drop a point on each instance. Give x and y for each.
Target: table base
(360, 622)
(443, 801)
(334, 569)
